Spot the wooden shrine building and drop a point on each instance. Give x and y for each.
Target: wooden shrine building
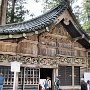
(53, 44)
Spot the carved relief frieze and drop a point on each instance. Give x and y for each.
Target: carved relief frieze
(47, 61)
(71, 60)
(23, 59)
(63, 60)
(43, 61)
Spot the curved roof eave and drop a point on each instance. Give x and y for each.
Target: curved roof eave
(77, 22)
(36, 23)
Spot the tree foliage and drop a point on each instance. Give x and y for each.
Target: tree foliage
(86, 26)
(85, 16)
(77, 12)
(48, 4)
(16, 11)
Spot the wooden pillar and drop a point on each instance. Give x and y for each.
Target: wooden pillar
(73, 77)
(24, 78)
(53, 78)
(54, 74)
(87, 64)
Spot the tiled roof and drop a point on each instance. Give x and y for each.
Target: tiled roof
(35, 24)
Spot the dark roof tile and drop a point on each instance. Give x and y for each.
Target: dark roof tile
(34, 24)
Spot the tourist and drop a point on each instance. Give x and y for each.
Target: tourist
(47, 84)
(83, 84)
(88, 85)
(57, 83)
(1, 81)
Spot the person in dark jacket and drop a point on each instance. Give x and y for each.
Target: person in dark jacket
(88, 84)
(83, 84)
(1, 81)
(57, 83)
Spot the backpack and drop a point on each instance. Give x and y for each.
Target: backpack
(45, 84)
(58, 82)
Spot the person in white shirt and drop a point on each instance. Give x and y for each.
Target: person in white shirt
(47, 84)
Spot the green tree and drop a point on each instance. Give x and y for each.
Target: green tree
(16, 11)
(77, 12)
(48, 4)
(86, 26)
(12, 11)
(85, 16)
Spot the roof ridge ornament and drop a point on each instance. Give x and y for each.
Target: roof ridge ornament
(24, 35)
(47, 29)
(66, 21)
(10, 36)
(36, 32)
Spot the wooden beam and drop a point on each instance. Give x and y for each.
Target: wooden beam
(80, 37)
(16, 35)
(57, 36)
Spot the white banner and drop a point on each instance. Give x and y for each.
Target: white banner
(86, 76)
(15, 66)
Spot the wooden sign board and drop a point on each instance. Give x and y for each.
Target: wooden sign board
(15, 66)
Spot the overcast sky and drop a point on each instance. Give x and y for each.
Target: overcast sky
(36, 8)
(79, 2)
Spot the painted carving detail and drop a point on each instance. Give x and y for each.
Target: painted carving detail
(43, 61)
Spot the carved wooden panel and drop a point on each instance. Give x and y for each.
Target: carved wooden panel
(58, 42)
(27, 47)
(76, 44)
(59, 30)
(47, 46)
(32, 37)
(8, 47)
